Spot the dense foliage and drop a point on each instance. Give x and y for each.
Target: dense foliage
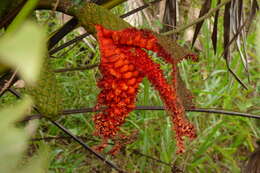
(223, 143)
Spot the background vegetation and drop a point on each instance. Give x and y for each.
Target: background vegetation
(223, 143)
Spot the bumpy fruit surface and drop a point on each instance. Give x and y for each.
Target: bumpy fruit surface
(123, 65)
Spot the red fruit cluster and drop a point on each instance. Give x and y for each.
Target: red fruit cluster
(123, 66)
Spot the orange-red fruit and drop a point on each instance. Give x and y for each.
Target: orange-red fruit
(119, 63)
(131, 81)
(123, 69)
(123, 66)
(127, 75)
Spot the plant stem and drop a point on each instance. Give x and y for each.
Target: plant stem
(206, 110)
(78, 140)
(22, 15)
(112, 3)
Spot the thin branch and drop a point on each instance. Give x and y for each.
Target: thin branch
(57, 49)
(236, 76)
(64, 30)
(7, 81)
(78, 140)
(139, 9)
(88, 67)
(225, 112)
(150, 157)
(70, 134)
(207, 15)
(214, 111)
(65, 138)
(134, 151)
(68, 43)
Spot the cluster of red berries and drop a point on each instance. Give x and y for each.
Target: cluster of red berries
(123, 66)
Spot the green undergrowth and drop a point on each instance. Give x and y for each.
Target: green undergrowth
(223, 143)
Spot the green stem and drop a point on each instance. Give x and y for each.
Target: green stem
(112, 3)
(22, 15)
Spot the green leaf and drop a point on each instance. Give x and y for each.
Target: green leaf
(39, 163)
(24, 50)
(22, 15)
(13, 140)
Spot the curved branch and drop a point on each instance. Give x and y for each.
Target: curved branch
(71, 135)
(158, 108)
(134, 151)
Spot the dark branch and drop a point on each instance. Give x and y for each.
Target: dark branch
(214, 111)
(66, 28)
(134, 151)
(78, 140)
(6, 81)
(88, 67)
(139, 9)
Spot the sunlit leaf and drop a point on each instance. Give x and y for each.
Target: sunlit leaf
(13, 140)
(29, 46)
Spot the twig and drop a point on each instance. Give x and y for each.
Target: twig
(78, 140)
(134, 151)
(67, 51)
(150, 157)
(139, 9)
(207, 15)
(112, 165)
(66, 28)
(88, 67)
(8, 83)
(68, 43)
(65, 138)
(236, 76)
(214, 111)
(225, 112)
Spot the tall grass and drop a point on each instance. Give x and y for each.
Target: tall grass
(223, 142)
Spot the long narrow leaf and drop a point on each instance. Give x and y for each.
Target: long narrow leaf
(214, 36)
(227, 31)
(205, 8)
(240, 11)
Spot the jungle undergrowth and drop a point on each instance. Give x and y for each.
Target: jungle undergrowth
(223, 142)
